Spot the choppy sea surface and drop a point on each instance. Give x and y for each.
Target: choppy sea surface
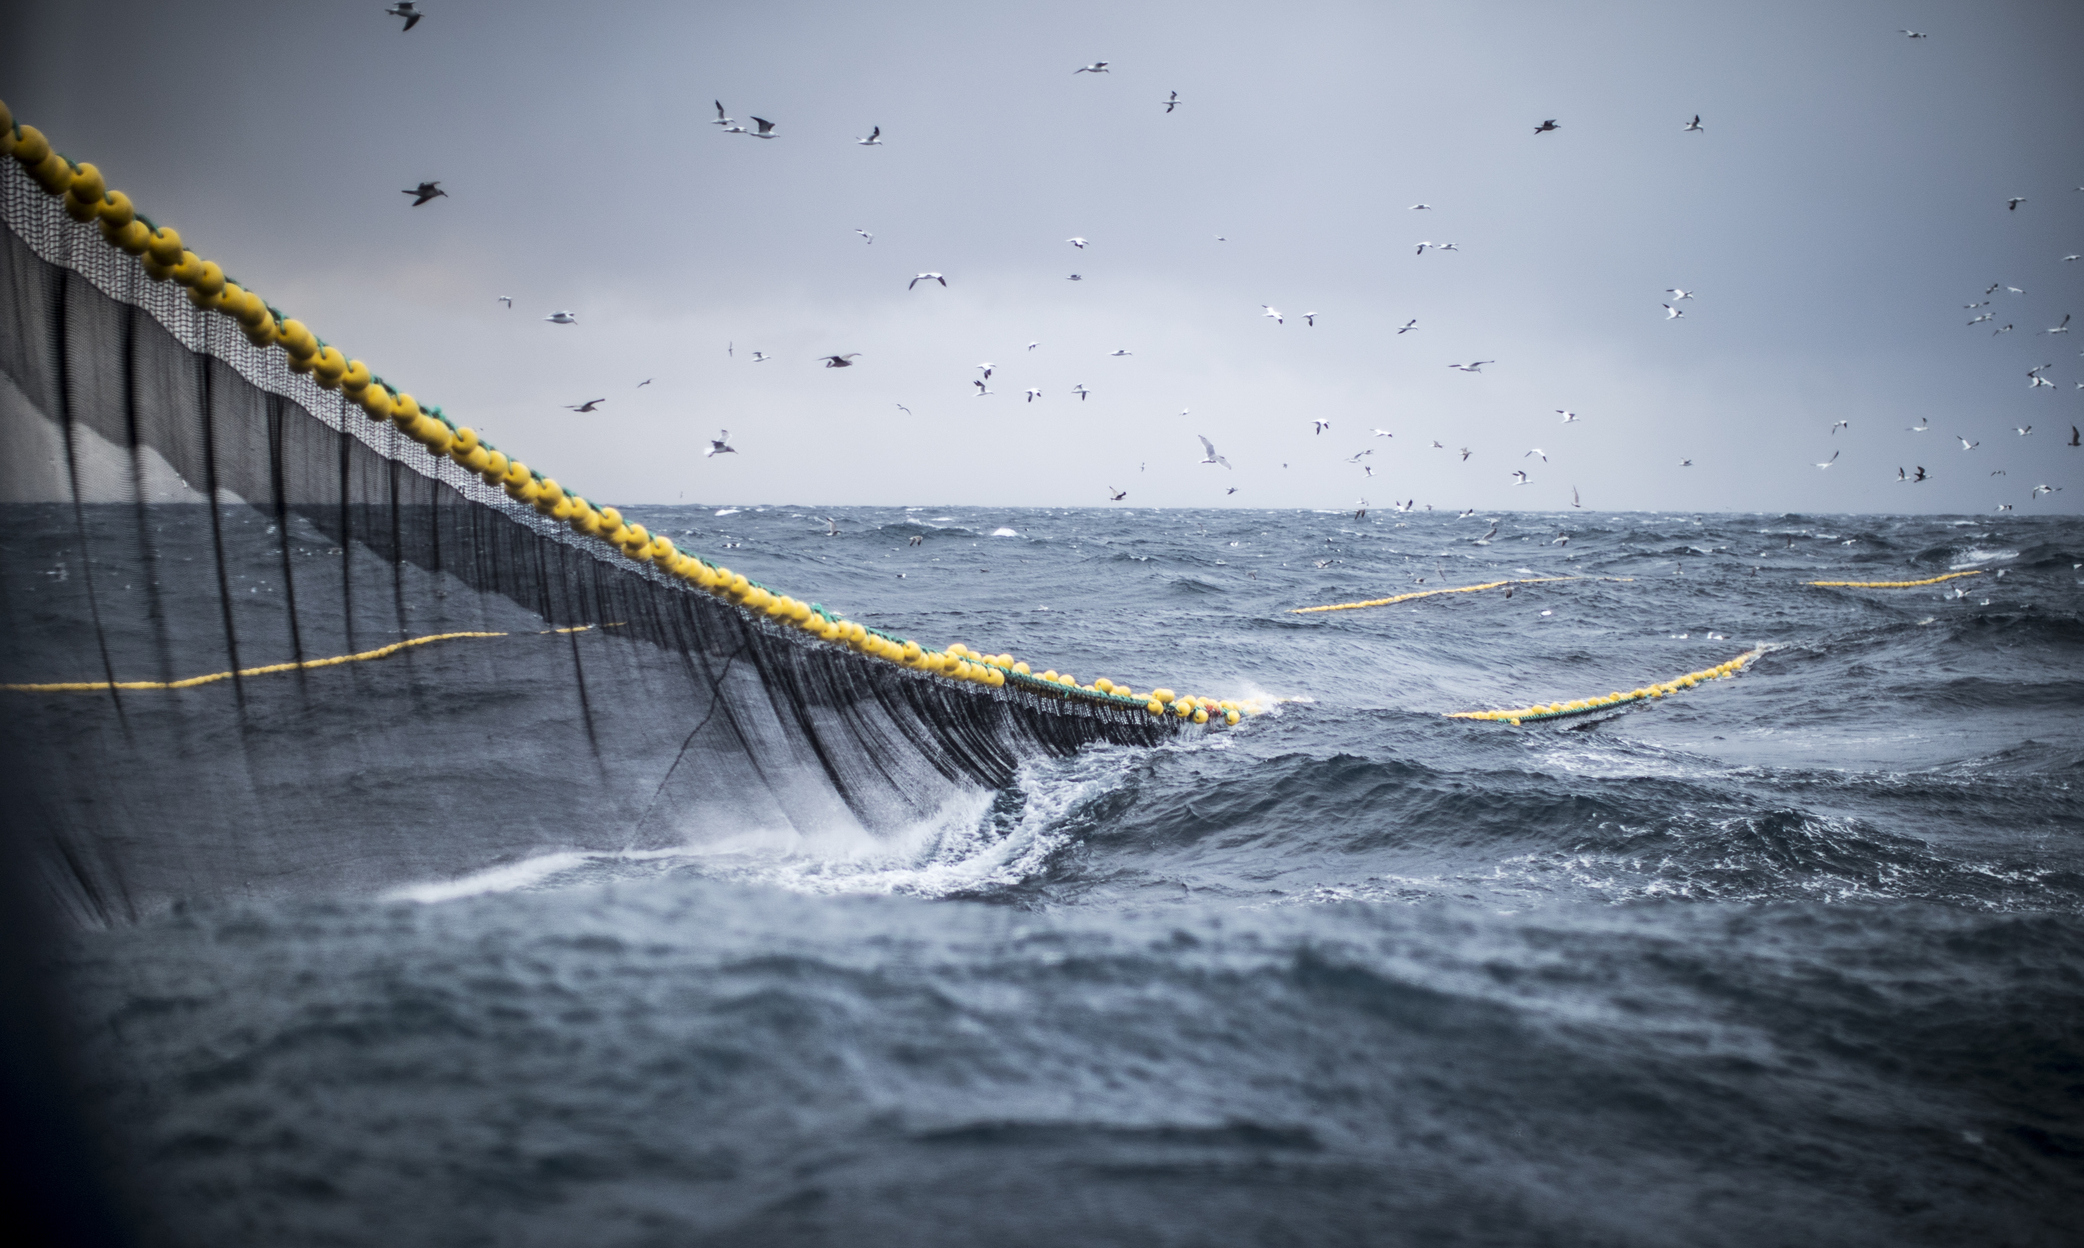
(1794, 958)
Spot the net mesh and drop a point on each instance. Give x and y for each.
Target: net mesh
(178, 503)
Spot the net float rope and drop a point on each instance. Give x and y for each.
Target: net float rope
(1933, 580)
(163, 256)
(1463, 589)
(270, 669)
(1587, 706)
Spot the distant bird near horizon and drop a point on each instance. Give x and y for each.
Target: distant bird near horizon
(1319, 426)
(1171, 101)
(874, 139)
(1115, 495)
(926, 277)
(1075, 277)
(1097, 67)
(1475, 367)
(425, 192)
(1694, 126)
(841, 361)
(1685, 463)
(1384, 433)
(1355, 457)
(1119, 351)
(1076, 242)
(562, 318)
(1409, 325)
(1465, 454)
(405, 9)
(2022, 430)
(866, 237)
(1080, 391)
(1520, 478)
(587, 406)
(1419, 208)
(1210, 448)
(902, 408)
(2039, 490)
(759, 357)
(1033, 345)
(1573, 497)
(720, 445)
(505, 299)
(1547, 126)
(981, 388)
(1310, 319)
(1033, 394)
(986, 368)
(1917, 34)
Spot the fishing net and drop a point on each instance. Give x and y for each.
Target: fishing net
(257, 642)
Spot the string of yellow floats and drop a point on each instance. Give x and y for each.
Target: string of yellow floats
(1463, 589)
(1583, 706)
(381, 652)
(163, 256)
(1890, 584)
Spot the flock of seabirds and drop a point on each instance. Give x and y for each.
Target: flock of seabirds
(761, 128)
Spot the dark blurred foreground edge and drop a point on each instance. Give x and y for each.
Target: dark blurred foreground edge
(51, 1192)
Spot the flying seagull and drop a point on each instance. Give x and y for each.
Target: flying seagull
(874, 139)
(425, 192)
(1310, 319)
(1409, 326)
(2073, 437)
(1080, 391)
(722, 118)
(1832, 460)
(1211, 457)
(2012, 204)
(1671, 313)
(866, 237)
(2022, 430)
(1384, 433)
(841, 361)
(1120, 351)
(1097, 67)
(1274, 313)
(1916, 34)
(1475, 367)
(1987, 316)
(720, 445)
(405, 10)
(562, 318)
(1172, 101)
(1573, 497)
(1076, 242)
(1538, 451)
(1921, 475)
(982, 390)
(1033, 345)
(1685, 463)
(765, 131)
(1319, 426)
(759, 357)
(1033, 394)
(1568, 417)
(1694, 126)
(505, 299)
(2062, 328)
(1115, 495)
(1355, 457)
(587, 406)
(1678, 294)
(1075, 277)
(926, 277)
(1966, 445)
(1843, 424)
(1465, 454)
(902, 408)
(987, 367)
(1519, 478)
(1547, 126)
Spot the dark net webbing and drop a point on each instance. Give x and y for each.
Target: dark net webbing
(177, 502)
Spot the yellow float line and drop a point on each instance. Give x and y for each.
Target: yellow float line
(1557, 710)
(1428, 593)
(87, 198)
(1889, 584)
(381, 652)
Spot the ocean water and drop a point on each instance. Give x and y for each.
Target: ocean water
(1793, 958)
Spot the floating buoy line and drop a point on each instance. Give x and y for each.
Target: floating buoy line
(1587, 706)
(1933, 580)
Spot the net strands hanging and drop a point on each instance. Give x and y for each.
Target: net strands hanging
(176, 501)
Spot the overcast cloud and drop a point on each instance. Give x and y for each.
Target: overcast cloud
(1847, 199)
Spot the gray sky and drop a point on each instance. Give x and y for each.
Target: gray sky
(1847, 199)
